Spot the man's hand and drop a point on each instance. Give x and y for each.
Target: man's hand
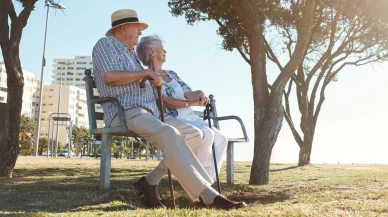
(156, 80)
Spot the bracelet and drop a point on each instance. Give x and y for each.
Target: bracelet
(187, 104)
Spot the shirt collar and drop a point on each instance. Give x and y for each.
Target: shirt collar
(120, 44)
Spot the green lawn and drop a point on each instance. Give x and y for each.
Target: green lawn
(68, 187)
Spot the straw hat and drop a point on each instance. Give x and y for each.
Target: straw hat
(121, 17)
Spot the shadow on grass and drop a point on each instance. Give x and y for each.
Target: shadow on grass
(56, 190)
(284, 169)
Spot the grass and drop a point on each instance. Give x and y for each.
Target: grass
(68, 187)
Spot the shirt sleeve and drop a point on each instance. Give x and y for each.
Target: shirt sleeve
(105, 56)
(184, 86)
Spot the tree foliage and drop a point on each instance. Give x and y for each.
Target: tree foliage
(27, 127)
(81, 137)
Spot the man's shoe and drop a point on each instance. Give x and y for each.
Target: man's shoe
(220, 202)
(150, 192)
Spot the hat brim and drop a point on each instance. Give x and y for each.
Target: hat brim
(143, 26)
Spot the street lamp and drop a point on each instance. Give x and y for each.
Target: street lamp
(59, 105)
(48, 4)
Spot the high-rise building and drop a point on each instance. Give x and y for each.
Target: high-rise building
(28, 91)
(71, 74)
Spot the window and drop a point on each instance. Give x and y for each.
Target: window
(91, 63)
(81, 68)
(70, 68)
(69, 79)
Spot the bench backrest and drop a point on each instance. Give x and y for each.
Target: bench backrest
(94, 115)
(89, 86)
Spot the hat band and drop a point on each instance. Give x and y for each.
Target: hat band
(125, 20)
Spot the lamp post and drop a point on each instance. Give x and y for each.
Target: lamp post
(48, 4)
(59, 105)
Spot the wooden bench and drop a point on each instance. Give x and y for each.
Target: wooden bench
(106, 132)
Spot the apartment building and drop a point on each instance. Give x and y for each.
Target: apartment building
(28, 92)
(71, 70)
(73, 96)
(72, 103)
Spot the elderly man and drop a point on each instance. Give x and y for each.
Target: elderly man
(117, 74)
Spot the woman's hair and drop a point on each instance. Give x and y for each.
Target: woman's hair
(142, 49)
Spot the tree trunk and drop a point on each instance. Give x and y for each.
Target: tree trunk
(10, 113)
(305, 153)
(266, 134)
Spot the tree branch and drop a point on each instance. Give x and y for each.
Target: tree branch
(301, 46)
(272, 56)
(295, 133)
(21, 22)
(11, 11)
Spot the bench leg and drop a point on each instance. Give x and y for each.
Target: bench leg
(230, 163)
(106, 152)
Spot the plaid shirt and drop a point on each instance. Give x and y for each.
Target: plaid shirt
(109, 54)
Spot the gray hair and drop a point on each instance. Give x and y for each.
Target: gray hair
(142, 49)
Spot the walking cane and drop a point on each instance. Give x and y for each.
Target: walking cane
(160, 105)
(206, 115)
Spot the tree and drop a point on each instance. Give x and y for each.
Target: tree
(10, 37)
(27, 126)
(81, 137)
(347, 33)
(243, 24)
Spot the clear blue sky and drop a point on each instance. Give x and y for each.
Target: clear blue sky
(353, 120)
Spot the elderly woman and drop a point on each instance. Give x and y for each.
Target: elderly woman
(178, 98)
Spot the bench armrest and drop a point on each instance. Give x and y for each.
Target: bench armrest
(233, 117)
(116, 103)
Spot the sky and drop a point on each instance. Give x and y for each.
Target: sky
(352, 126)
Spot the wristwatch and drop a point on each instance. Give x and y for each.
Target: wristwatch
(187, 104)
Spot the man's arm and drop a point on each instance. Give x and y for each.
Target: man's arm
(118, 78)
